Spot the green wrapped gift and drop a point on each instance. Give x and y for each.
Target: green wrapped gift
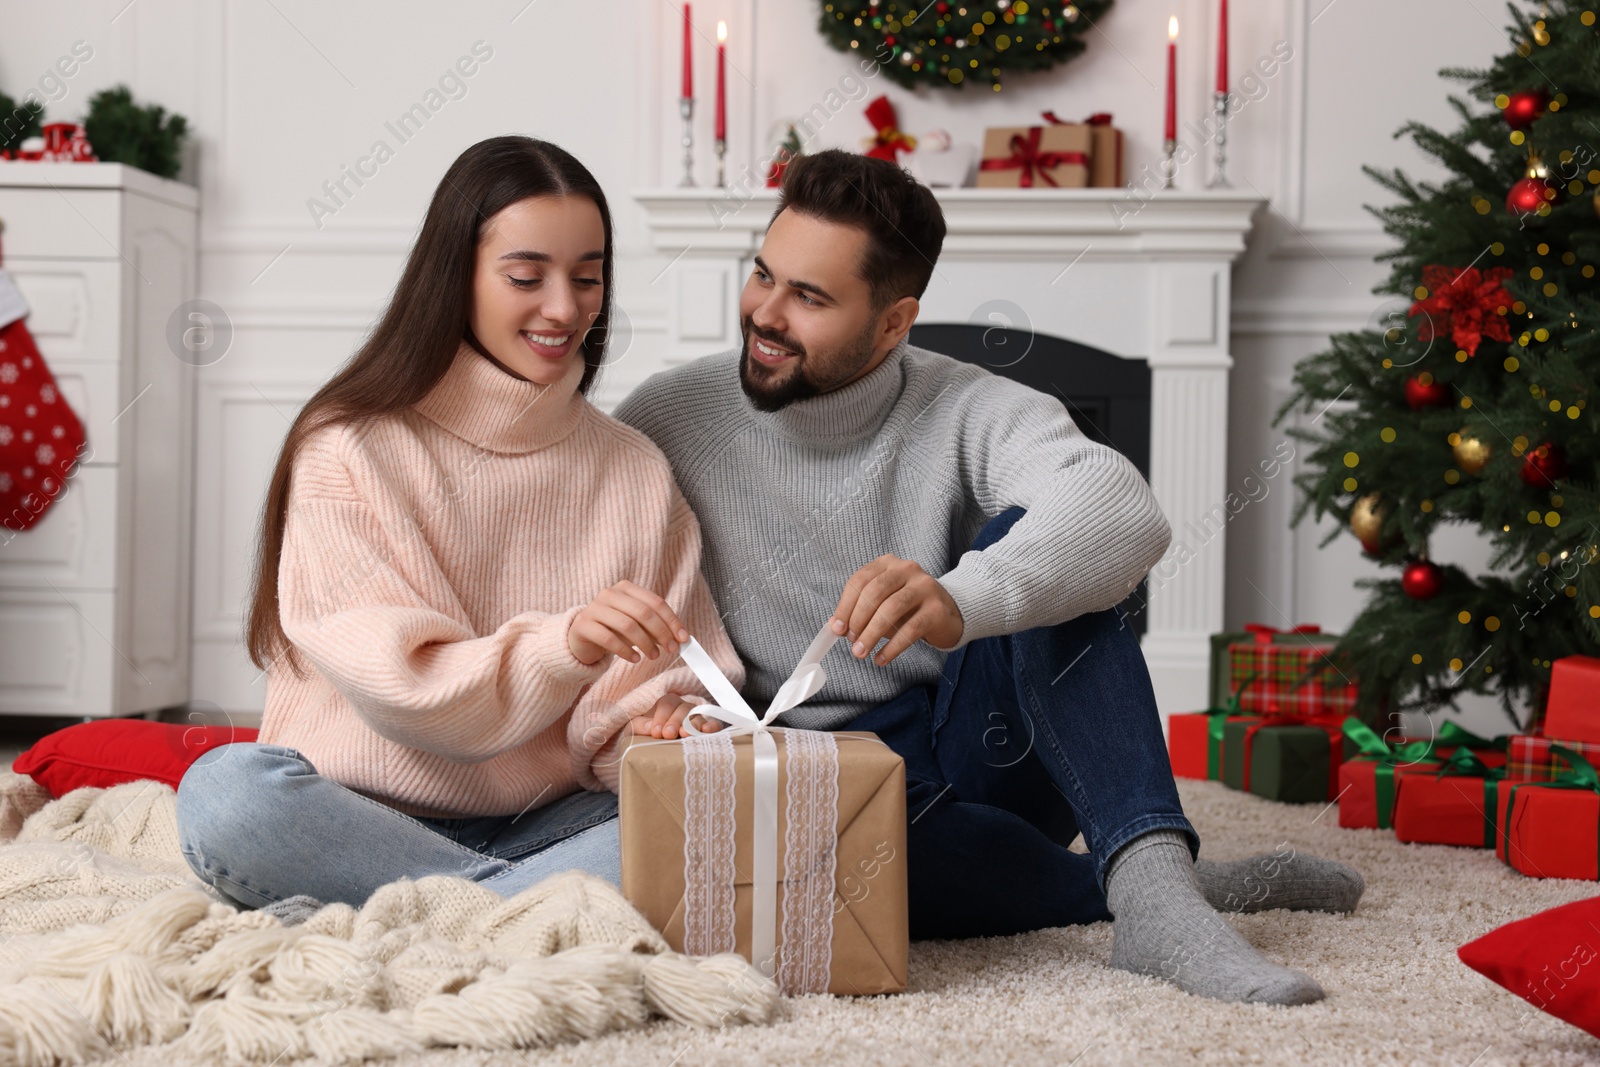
(1290, 758)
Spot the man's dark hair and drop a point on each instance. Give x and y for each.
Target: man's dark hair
(902, 220)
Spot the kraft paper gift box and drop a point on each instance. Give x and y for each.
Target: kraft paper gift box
(786, 846)
(1551, 829)
(1035, 157)
(1572, 710)
(1105, 148)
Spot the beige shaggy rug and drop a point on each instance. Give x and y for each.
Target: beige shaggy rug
(1396, 992)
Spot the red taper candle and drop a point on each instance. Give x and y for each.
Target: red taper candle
(688, 54)
(1172, 79)
(1222, 50)
(721, 132)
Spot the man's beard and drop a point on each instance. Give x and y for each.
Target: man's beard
(771, 390)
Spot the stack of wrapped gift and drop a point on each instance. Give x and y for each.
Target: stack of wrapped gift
(1371, 778)
(1065, 155)
(1548, 804)
(1276, 724)
(786, 846)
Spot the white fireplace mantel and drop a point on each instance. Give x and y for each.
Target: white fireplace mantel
(1145, 277)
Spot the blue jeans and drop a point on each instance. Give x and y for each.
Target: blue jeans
(260, 824)
(1026, 739)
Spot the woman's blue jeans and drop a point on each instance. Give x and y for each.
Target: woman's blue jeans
(260, 824)
(1026, 739)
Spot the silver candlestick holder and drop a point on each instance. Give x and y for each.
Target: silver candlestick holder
(721, 144)
(686, 109)
(1219, 177)
(1169, 165)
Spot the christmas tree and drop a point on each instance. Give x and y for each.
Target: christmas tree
(1468, 402)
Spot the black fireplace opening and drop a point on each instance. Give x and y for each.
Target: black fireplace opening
(1108, 396)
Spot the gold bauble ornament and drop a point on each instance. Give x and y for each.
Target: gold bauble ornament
(1366, 520)
(1472, 454)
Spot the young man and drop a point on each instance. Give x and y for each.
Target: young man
(965, 523)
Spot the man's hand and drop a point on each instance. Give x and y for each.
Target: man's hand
(895, 598)
(666, 718)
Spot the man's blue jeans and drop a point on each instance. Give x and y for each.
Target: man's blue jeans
(257, 822)
(1027, 739)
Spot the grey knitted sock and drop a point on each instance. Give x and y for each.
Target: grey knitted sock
(292, 911)
(1165, 928)
(1284, 879)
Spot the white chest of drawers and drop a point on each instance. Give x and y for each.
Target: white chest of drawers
(94, 597)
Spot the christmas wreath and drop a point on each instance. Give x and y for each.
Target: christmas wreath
(954, 43)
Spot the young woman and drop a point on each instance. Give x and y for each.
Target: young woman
(471, 583)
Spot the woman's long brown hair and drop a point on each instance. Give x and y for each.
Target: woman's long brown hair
(417, 338)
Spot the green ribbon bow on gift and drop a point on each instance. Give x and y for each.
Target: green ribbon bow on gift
(1216, 724)
(1451, 734)
(1464, 763)
(1580, 774)
(1387, 757)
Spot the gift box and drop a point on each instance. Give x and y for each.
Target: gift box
(1290, 758)
(785, 846)
(1551, 829)
(1457, 805)
(1105, 148)
(1529, 758)
(1572, 711)
(1224, 680)
(1024, 157)
(1280, 673)
(1368, 779)
(1194, 741)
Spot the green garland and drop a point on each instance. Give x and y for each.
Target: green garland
(954, 43)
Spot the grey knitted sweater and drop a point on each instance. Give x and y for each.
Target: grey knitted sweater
(910, 459)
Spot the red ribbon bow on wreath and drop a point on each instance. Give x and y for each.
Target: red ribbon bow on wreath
(1025, 154)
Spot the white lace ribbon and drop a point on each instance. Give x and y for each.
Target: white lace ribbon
(812, 813)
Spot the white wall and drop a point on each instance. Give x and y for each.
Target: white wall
(282, 95)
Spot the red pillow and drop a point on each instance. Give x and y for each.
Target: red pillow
(1551, 960)
(109, 752)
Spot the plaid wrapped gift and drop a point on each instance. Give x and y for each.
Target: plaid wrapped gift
(1278, 671)
(1529, 757)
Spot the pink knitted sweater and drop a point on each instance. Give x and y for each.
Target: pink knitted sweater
(432, 564)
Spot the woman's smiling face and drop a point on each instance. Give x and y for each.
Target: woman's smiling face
(538, 284)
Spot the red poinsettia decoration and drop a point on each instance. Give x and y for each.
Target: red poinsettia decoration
(1465, 304)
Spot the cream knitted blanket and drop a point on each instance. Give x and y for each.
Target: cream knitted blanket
(108, 939)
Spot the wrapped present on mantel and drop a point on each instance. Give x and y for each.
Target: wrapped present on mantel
(1281, 671)
(1029, 157)
(1551, 829)
(786, 846)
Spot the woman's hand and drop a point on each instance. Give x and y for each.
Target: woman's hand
(624, 617)
(666, 718)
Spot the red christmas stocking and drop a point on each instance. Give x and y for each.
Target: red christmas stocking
(41, 439)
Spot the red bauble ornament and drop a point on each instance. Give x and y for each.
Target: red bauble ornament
(1543, 465)
(1421, 580)
(1522, 108)
(1527, 195)
(1429, 394)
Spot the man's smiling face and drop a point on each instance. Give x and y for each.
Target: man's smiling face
(807, 316)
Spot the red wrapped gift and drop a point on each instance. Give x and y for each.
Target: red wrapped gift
(1368, 780)
(1194, 741)
(1275, 670)
(1572, 710)
(1529, 759)
(1552, 829)
(1456, 806)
